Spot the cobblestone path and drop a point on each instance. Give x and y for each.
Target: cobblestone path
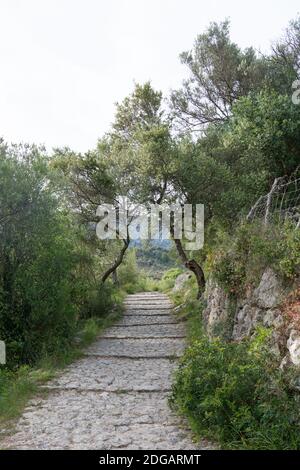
(116, 396)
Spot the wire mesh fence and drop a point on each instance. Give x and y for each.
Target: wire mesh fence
(280, 204)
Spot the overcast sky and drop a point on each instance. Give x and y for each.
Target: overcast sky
(64, 63)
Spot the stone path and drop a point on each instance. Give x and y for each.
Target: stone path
(116, 396)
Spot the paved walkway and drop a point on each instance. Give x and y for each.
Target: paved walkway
(116, 396)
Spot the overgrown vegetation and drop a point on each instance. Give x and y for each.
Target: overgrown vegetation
(235, 393)
(238, 260)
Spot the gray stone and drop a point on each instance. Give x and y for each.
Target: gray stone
(249, 317)
(133, 320)
(142, 347)
(286, 362)
(181, 280)
(246, 320)
(256, 308)
(217, 311)
(269, 292)
(273, 319)
(67, 419)
(115, 373)
(293, 345)
(140, 331)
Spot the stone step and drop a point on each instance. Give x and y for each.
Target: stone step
(142, 347)
(116, 374)
(132, 320)
(108, 421)
(148, 307)
(150, 299)
(148, 294)
(140, 331)
(148, 313)
(139, 306)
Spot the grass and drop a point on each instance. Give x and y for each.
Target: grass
(17, 387)
(142, 284)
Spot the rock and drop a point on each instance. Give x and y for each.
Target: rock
(181, 280)
(277, 342)
(236, 319)
(245, 321)
(217, 312)
(274, 348)
(273, 318)
(286, 362)
(250, 316)
(269, 292)
(293, 345)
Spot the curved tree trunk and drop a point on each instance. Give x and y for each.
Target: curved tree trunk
(117, 262)
(193, 266)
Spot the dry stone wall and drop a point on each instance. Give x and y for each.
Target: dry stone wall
(237, 318)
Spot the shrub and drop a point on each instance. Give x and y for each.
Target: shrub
(240, 259)
(168, 279)
(131, 278)
(43, 277)
(235, 392)
(289, 248)
(99, 301)
(128, 273)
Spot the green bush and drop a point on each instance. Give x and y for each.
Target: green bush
(235, 393)
(128, 273)
(239, 259)
(99, 302)
(37, 261)
(168, 279)
(133, 279)
(289, 249)
(46, 274)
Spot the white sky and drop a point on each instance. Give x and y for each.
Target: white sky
(64, 63)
